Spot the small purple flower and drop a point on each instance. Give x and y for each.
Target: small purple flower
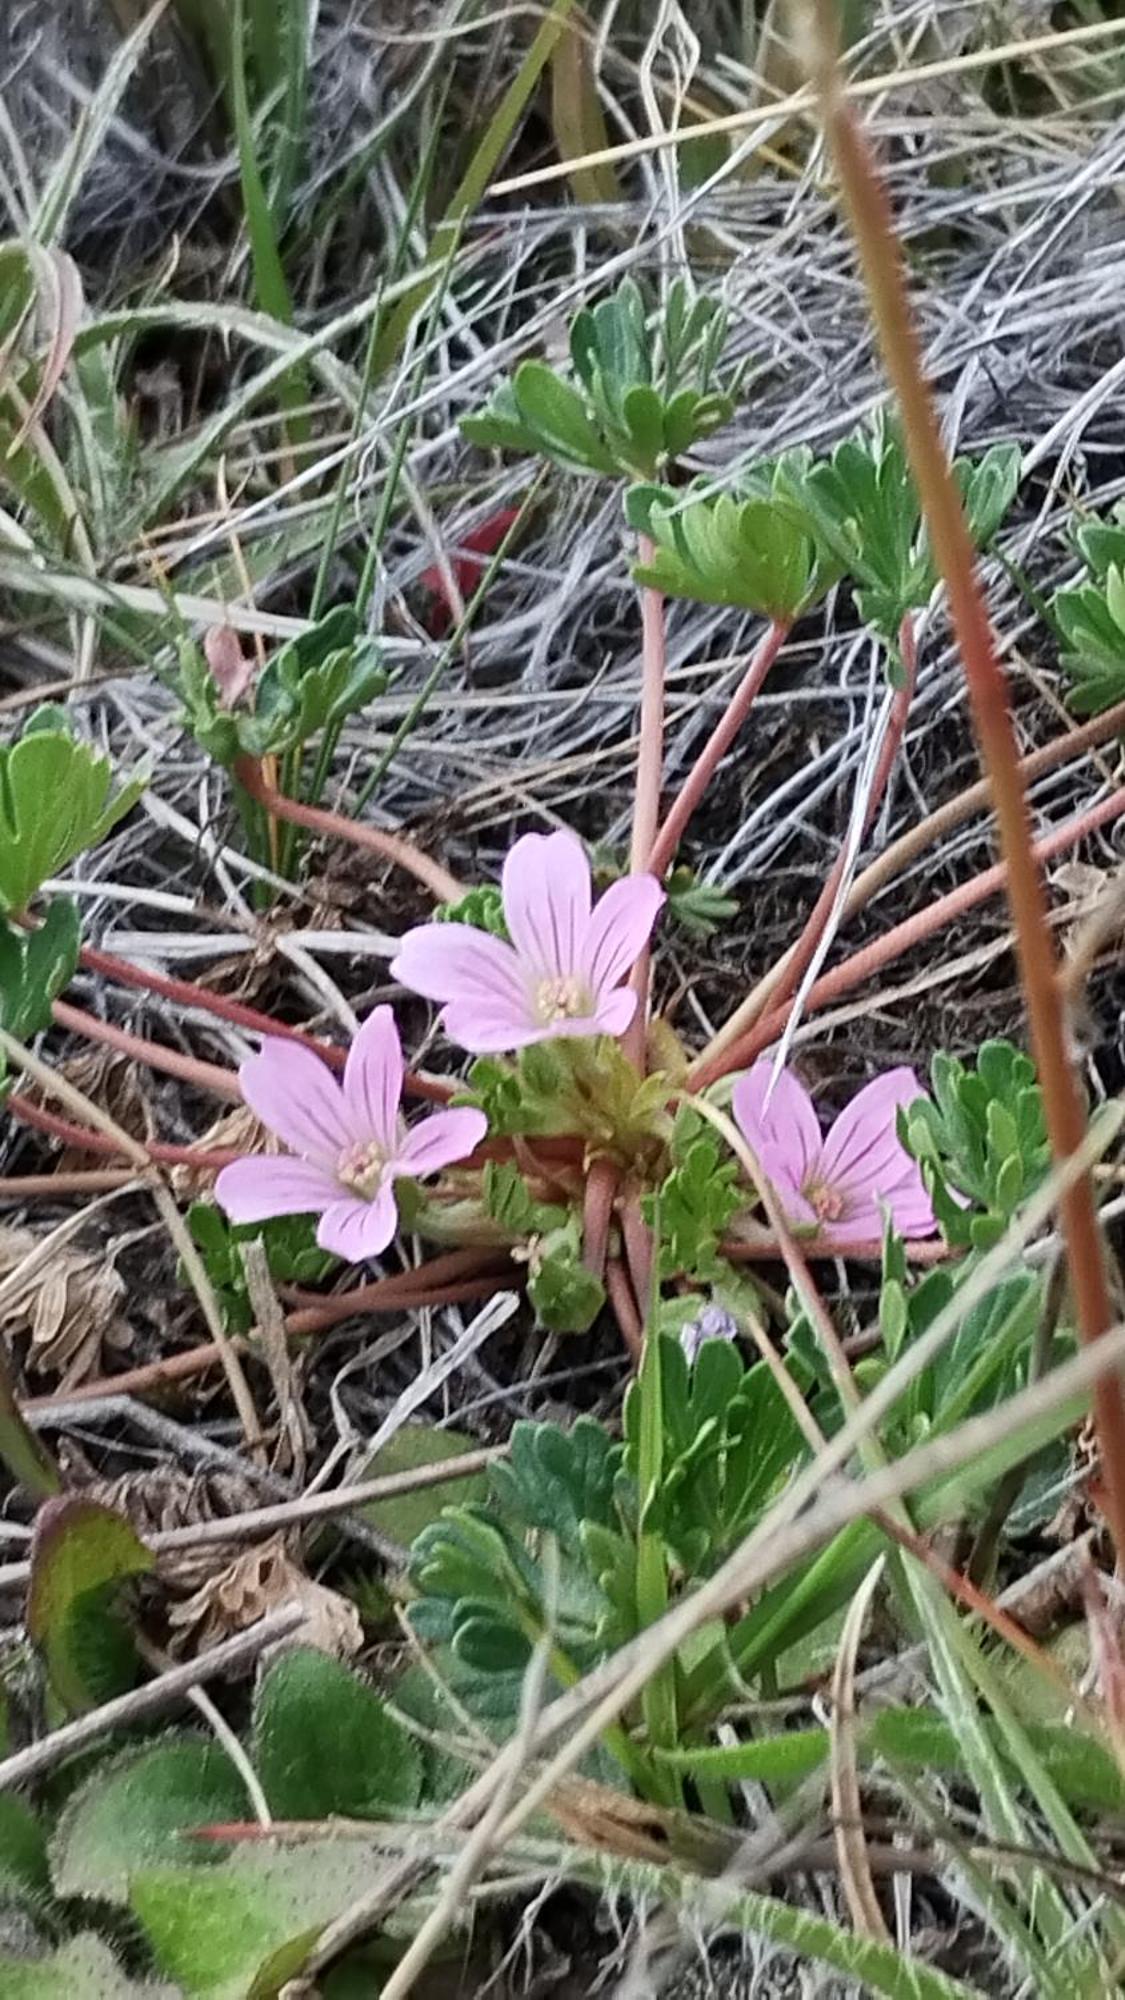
(346, 1137)
(711, 1322)
(562, 973)
(839, 1183)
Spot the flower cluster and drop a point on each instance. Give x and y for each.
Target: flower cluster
(563, 974)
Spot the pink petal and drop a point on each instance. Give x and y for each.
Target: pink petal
(457, 962)
(619, 930)
(862, 1154)
(615, 1011)
(438, 1141)
(356, 1230)
(253, 1189)
(784, 1133)
(373, 1077)
(296, 1096)
(546, 886)
(493, 1028)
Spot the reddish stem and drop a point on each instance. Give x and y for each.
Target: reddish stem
(637, 1239)
(453, 1266)
(392, 847)
(597, 1213)
(787, 975)
(185, 993)
(851, 972)
(766, 1249)
(717, 745)
(880, 256)
(624, 1307)
(86, 1140)
(207, 1076)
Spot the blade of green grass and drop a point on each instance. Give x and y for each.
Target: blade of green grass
(478, 173)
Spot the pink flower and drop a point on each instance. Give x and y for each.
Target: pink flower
(346, 1138)
(562, 973)
(838, 1184)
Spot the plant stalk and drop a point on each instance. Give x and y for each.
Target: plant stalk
(718, 743)
(784, 977)
(872, 224)
(393, 847)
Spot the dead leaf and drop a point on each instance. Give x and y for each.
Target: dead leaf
(259, 1580)
(114, 1082)
(168, 1496)
(68, 1310)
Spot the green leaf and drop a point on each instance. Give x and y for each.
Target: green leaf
(292, 1253)
(413, 1446)
(84, 1969)
(567, 1297)
(700, 907)
(36, 966)
(21, 1448)
(988, 488)
(556, 414)
(23, 1851)
(642, 395)
(482, 907)
(314, 682)
(324, 1743)
(981, 1140)
(696, 1202)
(135, 1811)
(767, 1760)
(56, 800)
(721, 550)
(1091, 618)
(239, 1932)
(81, 1554)
(1083, 1770)
(509, 1201)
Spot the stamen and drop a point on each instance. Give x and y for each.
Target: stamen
(561, 999)
(827, 1203)
(361, 1169)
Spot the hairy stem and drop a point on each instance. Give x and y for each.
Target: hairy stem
(872, 225)
(718, 743)
(393, 847)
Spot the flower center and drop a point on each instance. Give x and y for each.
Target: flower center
(361, 1169)
(827, 1203)
(562, 998)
